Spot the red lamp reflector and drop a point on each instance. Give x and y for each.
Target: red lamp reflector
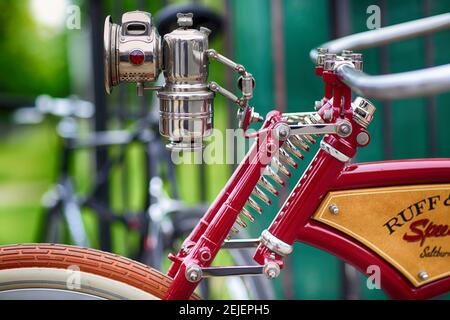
(137, 57)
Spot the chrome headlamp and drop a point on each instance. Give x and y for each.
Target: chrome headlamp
(131, 50)
(134, 52)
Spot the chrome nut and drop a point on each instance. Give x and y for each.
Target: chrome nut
(321, 52)
(282, 131)
(271, 270)
(193, 273)
(357, 61)
(362, 139)
(344, 129)
(346, 53)
(363, 111)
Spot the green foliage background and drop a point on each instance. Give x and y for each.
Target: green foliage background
(33, 60)
(33, 57)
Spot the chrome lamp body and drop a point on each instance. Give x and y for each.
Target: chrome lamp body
(134, 52)
(186, 103)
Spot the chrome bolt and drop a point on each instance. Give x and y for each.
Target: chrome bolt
(193, 273)
(211, 53)
(272, 270)
(423, 275)
(344, 129)
(334, 209)
(282, 131)
(346, 52)
(330, 56)
(362, 138)
(321, 56)
(358, 65)
(240, 68)
(363, 111)
(329, 61)
(327, 114)
(213, 86)
(317, 105)
(256, 117)
(357, 61)
(329, 65)
(319, 60)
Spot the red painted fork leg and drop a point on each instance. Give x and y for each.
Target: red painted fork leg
(225, 216)
(236, 178)
(307, 195)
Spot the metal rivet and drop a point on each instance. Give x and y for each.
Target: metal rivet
(344, 129)
(423, 275)
(362, 138)
(205, 254)
(334, 209)
(271, 148)
(282, 131)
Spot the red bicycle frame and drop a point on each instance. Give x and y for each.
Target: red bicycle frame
(294, 220)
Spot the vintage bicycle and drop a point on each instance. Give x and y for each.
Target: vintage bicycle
(393, 215)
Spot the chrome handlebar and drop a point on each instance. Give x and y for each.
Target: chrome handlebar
(421, 82)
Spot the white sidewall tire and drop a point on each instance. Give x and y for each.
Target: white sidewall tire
(70, 280)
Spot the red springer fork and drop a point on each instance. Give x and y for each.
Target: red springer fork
(203, 244)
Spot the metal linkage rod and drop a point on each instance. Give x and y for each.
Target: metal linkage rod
(232, 271)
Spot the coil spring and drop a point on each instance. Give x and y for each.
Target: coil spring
(287, 159)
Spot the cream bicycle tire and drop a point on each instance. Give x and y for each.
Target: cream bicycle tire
(53, 271)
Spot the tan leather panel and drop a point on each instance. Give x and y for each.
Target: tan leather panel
(409, 226)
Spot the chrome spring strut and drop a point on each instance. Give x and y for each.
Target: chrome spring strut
(277, 172)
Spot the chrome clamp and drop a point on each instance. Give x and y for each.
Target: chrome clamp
(333, 152)
(274, 244)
